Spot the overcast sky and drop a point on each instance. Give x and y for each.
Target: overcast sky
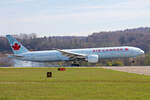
(71, 17)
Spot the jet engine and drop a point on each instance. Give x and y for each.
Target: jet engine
(92, 58)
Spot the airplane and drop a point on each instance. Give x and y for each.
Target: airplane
(91, 55)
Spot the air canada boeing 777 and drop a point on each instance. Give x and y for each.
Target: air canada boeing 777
(91, 55)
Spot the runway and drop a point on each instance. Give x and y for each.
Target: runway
(132, 69)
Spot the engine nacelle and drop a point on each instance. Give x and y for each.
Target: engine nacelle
(92, 58)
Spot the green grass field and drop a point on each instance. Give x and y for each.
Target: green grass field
(72, 84)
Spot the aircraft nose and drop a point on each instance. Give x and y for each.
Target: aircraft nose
(139, 51)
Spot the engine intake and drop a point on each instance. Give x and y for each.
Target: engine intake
(92, 58)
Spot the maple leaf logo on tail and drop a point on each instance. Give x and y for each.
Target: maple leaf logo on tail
(16, 46)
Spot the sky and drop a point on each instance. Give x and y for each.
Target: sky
(71, 17)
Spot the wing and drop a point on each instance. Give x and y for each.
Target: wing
(72, 55)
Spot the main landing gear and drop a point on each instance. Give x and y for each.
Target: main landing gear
(75, 63)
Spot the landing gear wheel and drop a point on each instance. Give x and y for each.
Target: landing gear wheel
(133, 61)
(75, 65)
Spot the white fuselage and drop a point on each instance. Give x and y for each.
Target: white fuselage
(103, 53)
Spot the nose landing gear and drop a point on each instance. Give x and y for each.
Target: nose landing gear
(133, 61)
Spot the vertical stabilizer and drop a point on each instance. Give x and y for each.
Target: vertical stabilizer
(16, 46)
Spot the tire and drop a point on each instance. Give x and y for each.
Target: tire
(75, 65)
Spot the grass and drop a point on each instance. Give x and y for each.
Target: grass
(72, 84)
